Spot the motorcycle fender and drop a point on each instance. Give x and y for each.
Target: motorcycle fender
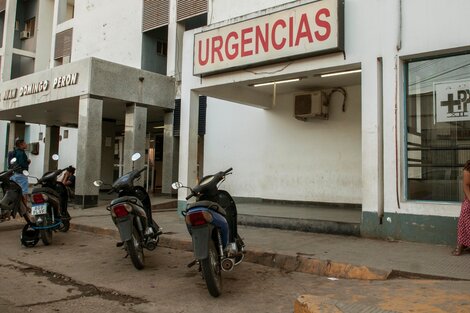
(125, 225)
(201, 236)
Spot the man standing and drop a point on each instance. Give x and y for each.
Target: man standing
(22, 163)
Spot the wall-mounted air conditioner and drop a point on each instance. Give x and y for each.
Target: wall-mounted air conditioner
(312, 105)
(25, 34)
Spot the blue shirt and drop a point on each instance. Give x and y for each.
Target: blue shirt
(21, 159)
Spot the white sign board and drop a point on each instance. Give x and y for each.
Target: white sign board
(309, 29)
(451, 101)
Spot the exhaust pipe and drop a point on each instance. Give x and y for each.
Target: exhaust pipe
(227, 264)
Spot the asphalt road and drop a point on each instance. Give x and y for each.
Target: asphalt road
(81, 272)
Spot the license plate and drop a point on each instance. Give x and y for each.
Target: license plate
(38, 209)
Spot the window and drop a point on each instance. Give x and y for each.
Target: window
(438, 127)
(29, 26)
(162, 48)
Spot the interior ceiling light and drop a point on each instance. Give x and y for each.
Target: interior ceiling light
(19, 115)
(340, 73)
(159, 127)
(277, 82)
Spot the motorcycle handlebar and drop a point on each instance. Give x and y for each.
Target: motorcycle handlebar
(228, 171)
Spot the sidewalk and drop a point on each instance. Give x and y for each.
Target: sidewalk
(322, 254)
(317, 253)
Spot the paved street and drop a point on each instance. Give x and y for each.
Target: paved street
(81, 272)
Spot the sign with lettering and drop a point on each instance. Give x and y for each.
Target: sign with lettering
(451, 101)
(309, 29)
(38, 87)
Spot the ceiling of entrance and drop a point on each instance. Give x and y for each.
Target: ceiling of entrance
(246, 93)
(65, 113)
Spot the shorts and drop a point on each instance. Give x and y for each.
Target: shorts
(21, 180)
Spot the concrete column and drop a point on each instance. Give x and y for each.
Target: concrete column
(107, 152)
(135, 134)
(17, 130)
(175, 44)
(61, 10)
(51, 147)
(44, 35)
(170, 155)
(88, 151)
(188, 145)
(3, 145)
(372, 157)
(8, 39)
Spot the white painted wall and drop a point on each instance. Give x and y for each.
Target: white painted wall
(275, 156)
(368, 36)
(430, 27)
(36, 166)
(109, 30)
(220, 13)
(68, 148)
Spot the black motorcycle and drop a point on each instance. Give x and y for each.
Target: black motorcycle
(212, 223)
(131, 212)
(49, 201)
(12, 203)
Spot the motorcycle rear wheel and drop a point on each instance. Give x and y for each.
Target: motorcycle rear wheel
(46, 234)
(135, 250)
(212, 272)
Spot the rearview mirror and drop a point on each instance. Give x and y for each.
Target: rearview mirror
(98, 183)
(135, 156)
(12, 161)
(25, 173)
(176, 185)
(55, 157)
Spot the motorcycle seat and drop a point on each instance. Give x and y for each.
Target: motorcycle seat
(126, 199)
(208, 204)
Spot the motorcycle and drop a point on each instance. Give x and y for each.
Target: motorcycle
(12, 203)
(131, 212)
(212, 224)
(49, 203)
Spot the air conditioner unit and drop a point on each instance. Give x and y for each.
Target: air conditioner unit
(312, 105)
(25, 34)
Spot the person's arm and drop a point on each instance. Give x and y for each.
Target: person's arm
(466, 184)
(65, 178)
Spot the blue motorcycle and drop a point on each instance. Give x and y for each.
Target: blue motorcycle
(212, 224)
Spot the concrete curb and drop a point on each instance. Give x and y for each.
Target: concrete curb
(272, 259)
(313, 304)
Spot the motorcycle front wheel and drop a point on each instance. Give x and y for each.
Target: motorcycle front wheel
(66, 226)
(211, 271)
(65, 222)
(135, 250)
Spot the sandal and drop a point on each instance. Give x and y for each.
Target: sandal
(458, 250)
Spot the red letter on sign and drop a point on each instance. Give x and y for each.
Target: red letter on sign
(234, 47)
(260, 39)
(323, 24)
(200, 59)
(278, 46)
(246, 41)
(304, 30)
(217, 43)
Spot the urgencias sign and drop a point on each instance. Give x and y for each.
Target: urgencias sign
(310, 29)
